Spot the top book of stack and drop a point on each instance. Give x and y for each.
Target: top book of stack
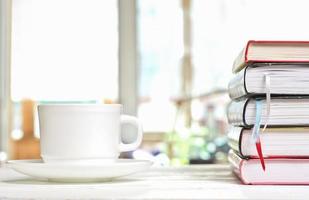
(272, 52)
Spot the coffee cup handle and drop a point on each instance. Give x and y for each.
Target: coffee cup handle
(126, 119)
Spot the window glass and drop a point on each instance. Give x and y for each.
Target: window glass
(64, 50)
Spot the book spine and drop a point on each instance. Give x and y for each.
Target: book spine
(235, 113)
(234, 139)
(237, 86)
(241, 60)
(235, 162)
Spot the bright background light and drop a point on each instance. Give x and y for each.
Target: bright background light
(64, 49)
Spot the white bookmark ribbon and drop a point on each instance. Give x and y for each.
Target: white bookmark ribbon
(268, 99)
(258, 116)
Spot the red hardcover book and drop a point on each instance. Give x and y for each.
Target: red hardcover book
(279, 171)
(272, 52)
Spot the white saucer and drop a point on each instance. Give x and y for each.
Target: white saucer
(85, 172)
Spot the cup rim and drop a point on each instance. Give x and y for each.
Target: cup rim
(79, 105)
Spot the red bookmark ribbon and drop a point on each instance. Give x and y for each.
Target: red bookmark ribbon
(256, 132)
(260, 153)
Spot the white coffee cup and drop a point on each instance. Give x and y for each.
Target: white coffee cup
(84, 133)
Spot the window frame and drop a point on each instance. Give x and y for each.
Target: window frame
(5, 73)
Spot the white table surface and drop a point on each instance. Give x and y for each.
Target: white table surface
(191, 182)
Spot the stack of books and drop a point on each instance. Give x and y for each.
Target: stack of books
(269, 113)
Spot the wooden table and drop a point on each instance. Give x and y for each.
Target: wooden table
(191, 182)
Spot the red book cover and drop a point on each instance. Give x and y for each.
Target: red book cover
(263, 51)
(279, 171)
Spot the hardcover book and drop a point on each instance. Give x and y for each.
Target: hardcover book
(292, 111)
(280, 171)
(276, 142)
(285, 79)
(272, 52)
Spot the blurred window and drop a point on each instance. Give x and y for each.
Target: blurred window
(160, 49)
(64, 50)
